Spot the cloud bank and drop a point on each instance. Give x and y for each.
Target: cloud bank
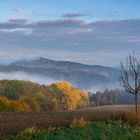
(75, 15)
(98, 42)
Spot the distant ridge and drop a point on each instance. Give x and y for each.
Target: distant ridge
(46, 60)
(81, 75)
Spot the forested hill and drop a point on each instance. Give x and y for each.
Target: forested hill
(80, 75)
(25, 96)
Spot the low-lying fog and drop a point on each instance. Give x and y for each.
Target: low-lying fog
(27, 77)
(47, 80)
(102, 87)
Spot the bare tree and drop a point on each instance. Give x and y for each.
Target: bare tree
(130, 77)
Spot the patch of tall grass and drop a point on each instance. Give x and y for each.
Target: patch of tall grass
(79, 123)
(93, 131)
(129, 117)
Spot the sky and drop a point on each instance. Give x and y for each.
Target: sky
(97, 32)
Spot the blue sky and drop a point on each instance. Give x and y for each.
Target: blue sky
(53, 9)
(100, 32)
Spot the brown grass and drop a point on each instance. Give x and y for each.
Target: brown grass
(79, 123)
(13, 123)
(129, 117)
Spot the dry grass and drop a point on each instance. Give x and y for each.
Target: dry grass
(13, 123)
(129, 117)
(79, 123)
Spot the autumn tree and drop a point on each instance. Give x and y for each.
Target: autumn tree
(130, 77)
(25, 96)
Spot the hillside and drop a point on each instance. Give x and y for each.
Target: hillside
(79, 75)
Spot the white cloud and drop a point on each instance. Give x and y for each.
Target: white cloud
(77, 31)
(25, 31)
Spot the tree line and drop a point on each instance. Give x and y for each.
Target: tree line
(25, 96)
(111, 97)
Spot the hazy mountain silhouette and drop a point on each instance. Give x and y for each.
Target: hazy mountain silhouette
(80, 75)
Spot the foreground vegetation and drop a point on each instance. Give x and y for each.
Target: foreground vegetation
(14, 122)
(59, 111)
(90, 131)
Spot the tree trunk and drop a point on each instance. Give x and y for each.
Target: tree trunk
(136, 104)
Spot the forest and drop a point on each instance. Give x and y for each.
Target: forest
(25, 96)
(111, 97)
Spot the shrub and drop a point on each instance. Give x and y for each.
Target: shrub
(31, 130)
(79, 123)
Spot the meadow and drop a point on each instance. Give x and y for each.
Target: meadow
(15, 123)
(92, 131)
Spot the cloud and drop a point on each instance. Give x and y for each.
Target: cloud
(75, 15)
(58, 23)
(14, 23)
(24, 23)
(17, 30)
(21, 21)
(97, 42)
(80, 30)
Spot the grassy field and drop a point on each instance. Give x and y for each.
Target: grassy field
(92, 131)
(14, 123)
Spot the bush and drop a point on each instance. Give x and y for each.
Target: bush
(31, 130)
(79, 123)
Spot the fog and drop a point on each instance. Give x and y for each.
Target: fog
(44, 80)
(102, 87)
(27, 77)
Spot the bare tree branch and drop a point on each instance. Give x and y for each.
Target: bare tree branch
(130, 76)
